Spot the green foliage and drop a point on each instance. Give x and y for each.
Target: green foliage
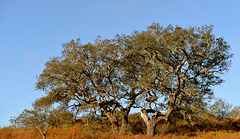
(170, 67)
(88, 78)
(43, 117)
(235, 112)
(178, 68)
(136, 124)
(220, 109)
(185, 62)
(94, 127)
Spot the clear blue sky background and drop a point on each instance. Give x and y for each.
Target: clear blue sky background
(32, 31)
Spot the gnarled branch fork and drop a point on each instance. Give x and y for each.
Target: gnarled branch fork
(155, 118)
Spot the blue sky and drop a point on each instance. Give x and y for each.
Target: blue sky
(31, 32)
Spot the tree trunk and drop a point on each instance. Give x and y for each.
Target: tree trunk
(124, 121)
(151, 123)
(114, 122)
(41, 131)
(115, 127)
(151, 127)
(43, 135)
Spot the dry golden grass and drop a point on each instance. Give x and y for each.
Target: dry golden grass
(74, 133)
(210, 129)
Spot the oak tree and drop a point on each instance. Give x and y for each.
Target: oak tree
(171, 68)
(91, 77)
(183, 66)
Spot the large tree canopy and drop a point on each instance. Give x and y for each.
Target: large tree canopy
(91, 77)
(172, 66)
(185, 64)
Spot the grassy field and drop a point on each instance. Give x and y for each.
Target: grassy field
(214, 130)
(74, 133)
